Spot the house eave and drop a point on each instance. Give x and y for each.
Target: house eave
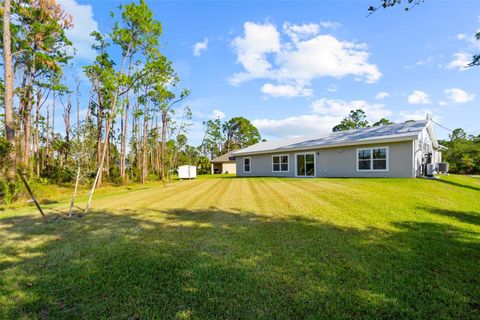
(409, 137)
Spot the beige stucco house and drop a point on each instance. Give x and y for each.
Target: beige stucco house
(224, 164)
(397, 150)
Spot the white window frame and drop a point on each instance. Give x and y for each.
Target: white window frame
(250, 164)
(314, 164)
(280, 162)
(387, 168)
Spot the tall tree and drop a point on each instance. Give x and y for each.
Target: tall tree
(382, 122)
(145, 37)
(355, 120)
(212, 143)
(8, 96)
(43, 48)
(239, 133)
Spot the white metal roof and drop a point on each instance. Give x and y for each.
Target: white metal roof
(396, 132)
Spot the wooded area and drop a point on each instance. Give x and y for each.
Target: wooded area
(135, 124)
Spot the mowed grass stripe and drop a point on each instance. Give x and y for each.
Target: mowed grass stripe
(243, 248)
(154, 195)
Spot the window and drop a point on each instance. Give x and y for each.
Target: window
(372, 159)
(280, 163)
(305, 164)
(246, 164)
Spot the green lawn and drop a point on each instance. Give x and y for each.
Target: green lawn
(251, 248)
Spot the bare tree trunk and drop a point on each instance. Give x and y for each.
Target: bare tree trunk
(107, 159)
(157, 146)
(8, 99)
(151, 150)
(144, 146)
(72, 203)
(27, 118)
(77, 97)
(66, 118)
(47, 139)
(53, 127)
(164, 144)
(99, 140)
(35, 139)
(123, 156)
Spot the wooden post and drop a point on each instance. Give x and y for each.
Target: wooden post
(32, 195)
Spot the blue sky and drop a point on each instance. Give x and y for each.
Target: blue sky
(297, 68)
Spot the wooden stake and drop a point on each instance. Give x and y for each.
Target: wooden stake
(32, 195)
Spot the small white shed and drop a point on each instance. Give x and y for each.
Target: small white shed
(187, 172)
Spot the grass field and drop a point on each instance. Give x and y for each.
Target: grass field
(251, 248)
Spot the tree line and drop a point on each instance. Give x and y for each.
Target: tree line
(131, 124)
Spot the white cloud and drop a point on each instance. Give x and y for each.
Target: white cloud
(382, 95)
(341, 108)
(199, 47)
(457, 95)
(300, 57)
(418, 97)
(217, 114)
(460, 61)
(286, 90)
(461, 36)
(258, 41)
(326, 113)
(300, 32)
(302, 125)
(332, 88)
(84, 24)
(442, 103)
(415, 115)
(426, 61)
(329, 24)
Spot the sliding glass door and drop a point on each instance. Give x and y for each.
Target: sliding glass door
(305, 164)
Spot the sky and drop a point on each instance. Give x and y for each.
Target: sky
(297, 68)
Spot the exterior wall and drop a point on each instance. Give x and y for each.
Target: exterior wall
(224, 167)
(261, 165)
(422, 147)
(337, 162)
(229, 167)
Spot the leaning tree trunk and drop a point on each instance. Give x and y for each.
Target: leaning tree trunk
(8, 97)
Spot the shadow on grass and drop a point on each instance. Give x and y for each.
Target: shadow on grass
(467, 217)
(46, 201)
(456, 184)
(227, 264)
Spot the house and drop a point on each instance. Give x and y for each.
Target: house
(224, 164)
(397, 150)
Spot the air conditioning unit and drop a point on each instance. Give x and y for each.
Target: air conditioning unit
(442, 167)
(431, 169)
